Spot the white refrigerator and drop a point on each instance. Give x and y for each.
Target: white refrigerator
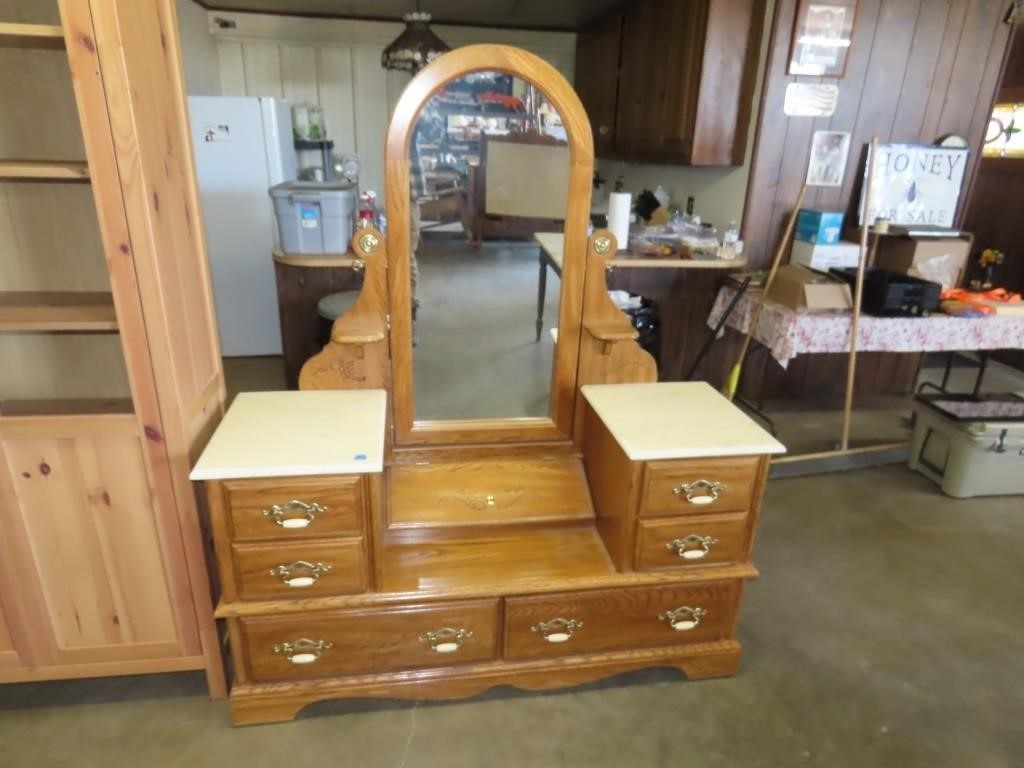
(243, 146)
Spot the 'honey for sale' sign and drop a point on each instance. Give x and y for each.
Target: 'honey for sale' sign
(916, 184)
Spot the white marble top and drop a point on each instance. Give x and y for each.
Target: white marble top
(285, 434)
(678, 420)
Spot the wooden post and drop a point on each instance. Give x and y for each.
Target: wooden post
(732, 383)
(858, 294)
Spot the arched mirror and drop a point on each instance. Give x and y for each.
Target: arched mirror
(489, 166)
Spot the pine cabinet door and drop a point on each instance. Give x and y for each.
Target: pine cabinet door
(82, 559)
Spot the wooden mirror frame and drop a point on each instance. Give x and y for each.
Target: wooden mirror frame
(451, 66)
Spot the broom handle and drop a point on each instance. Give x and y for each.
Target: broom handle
(755, 318)
(858, 293)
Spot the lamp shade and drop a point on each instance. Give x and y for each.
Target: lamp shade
(416, 47)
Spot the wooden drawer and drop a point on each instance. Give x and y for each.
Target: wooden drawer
(371, 640)
(276, 508)
(488, 492)
(309, 568)
(617, 620)
(690, 542)
(698, 486)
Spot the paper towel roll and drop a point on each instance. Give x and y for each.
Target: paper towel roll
(619, 206)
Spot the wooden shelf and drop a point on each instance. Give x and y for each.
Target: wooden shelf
(612, 331)
(40, 170)
(317, 260)
(42, 36)
(64, 311)
(58, 408)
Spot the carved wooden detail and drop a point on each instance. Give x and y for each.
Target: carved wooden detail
(609, 352)
(356, 357)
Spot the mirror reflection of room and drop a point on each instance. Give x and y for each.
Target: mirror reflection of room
(489, 169)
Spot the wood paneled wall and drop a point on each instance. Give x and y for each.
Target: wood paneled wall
(917, 69)
(336, 63)
(998, 190)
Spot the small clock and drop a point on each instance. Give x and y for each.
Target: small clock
(952, 141)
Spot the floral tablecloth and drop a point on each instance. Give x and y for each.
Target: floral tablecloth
(788, 333)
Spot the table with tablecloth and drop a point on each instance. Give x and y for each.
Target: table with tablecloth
(787, 333)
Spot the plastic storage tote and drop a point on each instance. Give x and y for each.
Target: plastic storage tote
(314, 217)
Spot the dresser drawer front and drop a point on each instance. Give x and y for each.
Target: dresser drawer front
(699, 486)
(312, 645)
(691, 542)
(311, 568)
(571, 624)
(293, 508)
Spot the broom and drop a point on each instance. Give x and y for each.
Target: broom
(732, 383)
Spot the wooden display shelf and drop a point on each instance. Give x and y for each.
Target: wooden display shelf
(41, 36)
(60, 311)
(43, 170)
(71, 407)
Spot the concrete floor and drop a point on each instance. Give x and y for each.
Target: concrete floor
(886, 630)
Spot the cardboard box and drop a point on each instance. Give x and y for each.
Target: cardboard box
(823, 227)
(824, 257)
(799, 288)
(939, 259)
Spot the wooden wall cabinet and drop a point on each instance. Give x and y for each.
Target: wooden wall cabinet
(112, 378)
(671, 81)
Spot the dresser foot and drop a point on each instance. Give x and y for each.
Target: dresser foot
(723, 664)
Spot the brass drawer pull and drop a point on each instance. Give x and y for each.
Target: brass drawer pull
(684, 619)
(301, 574)
(700, 492)
(278, 512)
(446, 640)
(693, 547)
(557, 630)
(303, 651)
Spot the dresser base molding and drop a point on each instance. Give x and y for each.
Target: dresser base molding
(254, 703)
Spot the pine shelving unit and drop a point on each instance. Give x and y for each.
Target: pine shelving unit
(111, 377)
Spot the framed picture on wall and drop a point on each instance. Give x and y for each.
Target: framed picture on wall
(827, 166)
(821, 37)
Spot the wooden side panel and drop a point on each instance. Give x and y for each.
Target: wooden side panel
(8, 655)
(83, 556)
(137, 49)
(614, 486)
(147, 157)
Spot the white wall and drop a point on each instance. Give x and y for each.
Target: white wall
(719, 192)
(336, 63)
(198, 50)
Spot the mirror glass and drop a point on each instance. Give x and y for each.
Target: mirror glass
(489, 178)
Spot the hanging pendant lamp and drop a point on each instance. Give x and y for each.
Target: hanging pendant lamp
(416, 47)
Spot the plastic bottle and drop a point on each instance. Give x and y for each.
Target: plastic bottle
(732, 234)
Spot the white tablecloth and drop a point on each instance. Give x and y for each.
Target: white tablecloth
(788, 333)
